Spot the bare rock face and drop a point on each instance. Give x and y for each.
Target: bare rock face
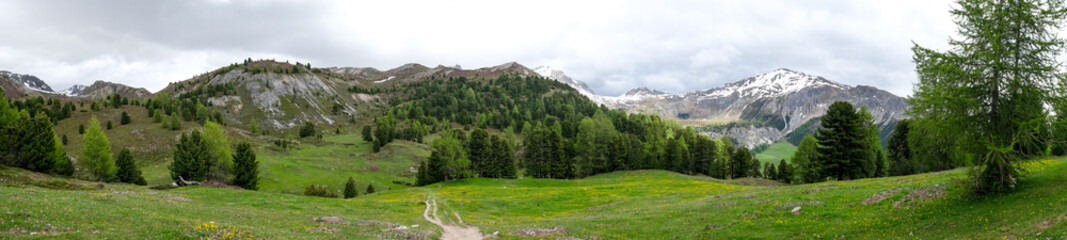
(102, 89)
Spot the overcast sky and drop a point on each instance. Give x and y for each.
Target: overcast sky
(613, 46)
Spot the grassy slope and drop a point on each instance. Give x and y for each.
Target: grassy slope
(621, 205)
(776, 152)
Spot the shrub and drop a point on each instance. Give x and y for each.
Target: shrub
(319, 191)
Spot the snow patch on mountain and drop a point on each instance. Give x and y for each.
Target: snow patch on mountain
(777, 83)
(73, 90)
(30, 81)
(558, 75)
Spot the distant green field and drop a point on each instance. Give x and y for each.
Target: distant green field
(620, 205)
(776, 152)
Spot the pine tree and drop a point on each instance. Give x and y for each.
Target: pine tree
(125, 119)
(478, 147)
(96, 154)
(350, 188)
(842, 143)
(64, 139)
(1006, 70)
(245, 167)
(157, 116)
(769, 171)
(900, 161)
(367, 136)
(81, 128)
(38, 144)
(785, 172)
(253, 126)
(62, 166)
(192, 160)
(108, 125)
(127, 169)
(175, 123)
(307, 130)
(370, 188)
(503, 157)
(740, 163)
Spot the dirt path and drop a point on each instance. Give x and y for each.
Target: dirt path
(450, 231)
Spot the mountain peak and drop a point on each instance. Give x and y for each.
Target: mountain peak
(643, 91)
(30, 81)
(779, 82)
(558, 75)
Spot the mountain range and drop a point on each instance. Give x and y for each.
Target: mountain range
(766, 108)
(762, 109)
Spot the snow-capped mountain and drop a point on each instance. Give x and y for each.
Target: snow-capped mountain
(642, 92)
(772, 105)
(30, 81)
(73, 90)
(558, 75)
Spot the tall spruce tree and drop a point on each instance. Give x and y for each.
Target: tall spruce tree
(785, 172)
(989, 91)
(503, 157)
(192, 159)
(96, 154)
(900, 159)
(127, 168)
(245, 167)
(842, 143)
(740, 163)
(63, 165)
(478, 151)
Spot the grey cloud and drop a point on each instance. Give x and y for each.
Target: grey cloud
(674, 46)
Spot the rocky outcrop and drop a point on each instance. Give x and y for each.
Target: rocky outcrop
(102, 89)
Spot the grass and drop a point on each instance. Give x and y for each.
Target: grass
(620, 205)
(331, 161)
(776, 152)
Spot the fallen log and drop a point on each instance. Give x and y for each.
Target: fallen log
(182, 182)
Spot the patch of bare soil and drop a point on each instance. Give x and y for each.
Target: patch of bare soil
(879, 197)
(540, 232)
(921, 195)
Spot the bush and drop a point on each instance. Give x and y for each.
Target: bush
(307, 130)
(319, 191)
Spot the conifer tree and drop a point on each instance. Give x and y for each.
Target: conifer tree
(62, 166)
(96, 154)
(785, 172)
(245, 167)
(37, 144)
(478, 151)
(989, 92)
(125, 119)
(503, 157)
(127, 169)
(842, 143)
(192, 160)
(157, 116)
(805, 160)
(367, 136)
(900, 161)
(350, 188)
(175, 123)
(370, 188)
(741, 163)
(253, 126)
